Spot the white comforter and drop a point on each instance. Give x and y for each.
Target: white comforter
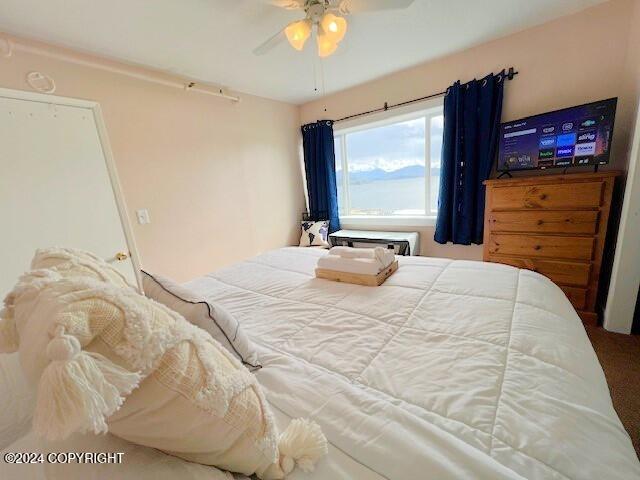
(451, 369)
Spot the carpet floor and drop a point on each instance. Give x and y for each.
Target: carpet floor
(619, 356)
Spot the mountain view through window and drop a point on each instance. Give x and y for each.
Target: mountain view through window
(393, 168)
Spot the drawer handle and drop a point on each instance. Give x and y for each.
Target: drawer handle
(543, 196)
(540, 222)
(537, 247)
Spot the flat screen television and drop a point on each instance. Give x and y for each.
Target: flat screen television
(570, 137)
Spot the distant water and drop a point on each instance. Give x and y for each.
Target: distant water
(389, 197)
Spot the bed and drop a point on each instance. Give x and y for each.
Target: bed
(457, 368)
(451, 369)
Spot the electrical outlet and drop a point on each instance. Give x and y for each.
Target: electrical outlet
(143, 216)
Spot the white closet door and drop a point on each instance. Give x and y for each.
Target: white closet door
(55, 187)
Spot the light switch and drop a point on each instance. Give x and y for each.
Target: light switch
(143, 216)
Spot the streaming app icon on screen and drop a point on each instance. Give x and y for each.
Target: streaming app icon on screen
(570, 137)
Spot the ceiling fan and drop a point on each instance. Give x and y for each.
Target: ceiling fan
(327, 18)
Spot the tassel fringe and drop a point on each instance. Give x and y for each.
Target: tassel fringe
(78, 390)
(9, 340)
(302, 443)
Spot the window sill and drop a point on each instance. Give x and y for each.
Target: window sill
(358, 221)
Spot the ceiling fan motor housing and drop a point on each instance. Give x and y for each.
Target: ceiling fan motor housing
(315, 10)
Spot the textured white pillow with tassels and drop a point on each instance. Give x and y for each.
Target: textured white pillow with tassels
(108, 359)
(73, 263)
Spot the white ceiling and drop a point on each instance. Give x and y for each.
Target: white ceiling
(212, 40)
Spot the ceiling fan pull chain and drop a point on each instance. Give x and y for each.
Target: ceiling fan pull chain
(324, 91)
(315, 75)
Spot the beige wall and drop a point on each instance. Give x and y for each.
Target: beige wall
(221, 180)
(572, 60)
(632, 66)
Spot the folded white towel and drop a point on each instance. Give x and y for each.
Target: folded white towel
(382, 256)
(350, 252)
(362, 266)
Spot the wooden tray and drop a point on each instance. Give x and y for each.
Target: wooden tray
(357, 278)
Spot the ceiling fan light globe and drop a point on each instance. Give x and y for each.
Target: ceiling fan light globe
(334, 27)
(326, 46)
(298, 33)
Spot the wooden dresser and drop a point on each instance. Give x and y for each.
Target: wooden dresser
(555, 225)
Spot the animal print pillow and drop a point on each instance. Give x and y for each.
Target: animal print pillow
(315, 234)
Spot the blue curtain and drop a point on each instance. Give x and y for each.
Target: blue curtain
(471, 123)
(320, 169)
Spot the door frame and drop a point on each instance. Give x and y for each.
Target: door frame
(108, 156)
(625, 276)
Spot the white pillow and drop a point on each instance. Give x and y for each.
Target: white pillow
(90, 346)
(72, 262)
(211, 317)
(138, 462)
(315, 234)
(17, 399)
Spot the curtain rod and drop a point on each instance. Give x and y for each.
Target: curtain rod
(508, 75)
(112, 66)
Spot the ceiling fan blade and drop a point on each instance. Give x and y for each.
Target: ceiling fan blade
(270, 44)
(347, 7)
(288, 4)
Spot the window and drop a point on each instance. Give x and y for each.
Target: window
(390, 168)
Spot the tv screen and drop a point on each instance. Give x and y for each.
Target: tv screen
(569, 137)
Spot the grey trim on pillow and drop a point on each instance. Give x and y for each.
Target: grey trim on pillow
(210, 314)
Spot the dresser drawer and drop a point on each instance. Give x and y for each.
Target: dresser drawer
(555, 225)
(550, 246)
(577, 296)
(585, 222)
(573, 196)
(569, 273)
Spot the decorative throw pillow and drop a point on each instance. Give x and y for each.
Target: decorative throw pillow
(315, 234)
(71, 262)
(210, 317)
(90, 346)
(138, 462)
(17, 397)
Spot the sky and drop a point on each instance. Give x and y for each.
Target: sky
(392, 147)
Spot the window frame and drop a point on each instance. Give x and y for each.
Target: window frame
(427, 109)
